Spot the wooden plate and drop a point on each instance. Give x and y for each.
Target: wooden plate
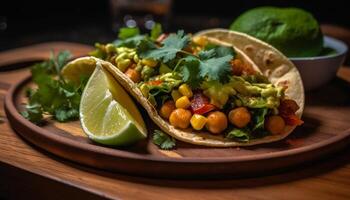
(326, 130)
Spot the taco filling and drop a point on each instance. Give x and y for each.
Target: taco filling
(197, 85)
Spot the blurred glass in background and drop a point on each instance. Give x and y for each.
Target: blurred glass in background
(141, 13)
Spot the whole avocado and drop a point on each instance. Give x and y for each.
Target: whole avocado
(293, 31)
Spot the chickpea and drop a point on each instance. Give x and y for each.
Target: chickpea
(166, 109)
(180, 118)
(217, 122)
(275, 124)
(133, 75)
(239, 117)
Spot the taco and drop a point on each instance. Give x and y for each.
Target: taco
(207, 91)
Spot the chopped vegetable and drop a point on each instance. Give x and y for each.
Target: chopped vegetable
(167, 108)
(217, 122)
(275, 124)
(241, 135)
(185, 90)
(217, 92)
(240, 117)
(292, 120)
(134, 75)
(198, 121)
(259, 118)
(288, 107)
(183, 102)
(180, 118)
(200, 104)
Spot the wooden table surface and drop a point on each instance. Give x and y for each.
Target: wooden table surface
(27, 172)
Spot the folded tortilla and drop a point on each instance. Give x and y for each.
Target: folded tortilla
(258, 55)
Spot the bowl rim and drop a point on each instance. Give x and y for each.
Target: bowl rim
(328, 42)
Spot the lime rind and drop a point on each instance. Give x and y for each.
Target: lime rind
(107, 113)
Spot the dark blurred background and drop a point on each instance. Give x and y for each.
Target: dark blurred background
(29, 22)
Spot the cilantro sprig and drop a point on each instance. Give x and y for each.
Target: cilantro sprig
(215, 64)
(212, 63)
(173, 44)
(163, 140)
(53, 95)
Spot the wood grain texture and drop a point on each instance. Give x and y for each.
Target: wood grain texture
(41, 51)
(325, 179)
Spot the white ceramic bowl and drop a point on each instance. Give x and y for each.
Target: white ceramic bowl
(319, 70)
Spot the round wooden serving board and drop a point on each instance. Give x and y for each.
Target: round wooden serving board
(326, 130)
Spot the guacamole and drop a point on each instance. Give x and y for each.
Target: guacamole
(293, 31)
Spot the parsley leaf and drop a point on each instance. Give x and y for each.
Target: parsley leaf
(171, 46)
(163, 140)
(156, 31)
(125, 33)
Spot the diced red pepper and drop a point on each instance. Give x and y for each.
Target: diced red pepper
(288, 107)
(292, 120)
(155, 82)
(200, 104)
(204, 109)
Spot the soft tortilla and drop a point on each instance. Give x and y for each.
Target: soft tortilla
(204, 138)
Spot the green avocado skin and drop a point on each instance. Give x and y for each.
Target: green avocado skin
(293, 31)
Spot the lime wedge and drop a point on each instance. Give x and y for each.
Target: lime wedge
(107, 113)
(74, 70)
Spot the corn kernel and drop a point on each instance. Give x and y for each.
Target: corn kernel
(200, 40)
(198, 121)
(175, 94)
(183, 102)
(185, 90)
(123, 64)
(149, 62)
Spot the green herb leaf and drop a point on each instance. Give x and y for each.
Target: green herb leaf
(163, 140)
(131, 42)
(171, 46)
(241, 135)
(62, 59)
(218, 69)
(33, 113)
(215, 63)
(224, 51)
(190, 72)
(63, 115)
(259, 118)
(156, 31)
(125, 33)
(53, 95)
